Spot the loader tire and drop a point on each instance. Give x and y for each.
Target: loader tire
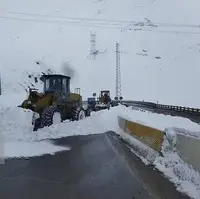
(108, 106)
(78, 114)
(37, 124)
(47, 117)
(88, 112)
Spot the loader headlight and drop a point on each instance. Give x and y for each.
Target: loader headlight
(33, 107)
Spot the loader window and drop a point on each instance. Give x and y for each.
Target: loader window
(64, 85)
(56, 85)
(46, 85)
(52, 85)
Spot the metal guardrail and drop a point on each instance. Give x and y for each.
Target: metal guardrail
(189, 110)
(180, 108)
(141, 103)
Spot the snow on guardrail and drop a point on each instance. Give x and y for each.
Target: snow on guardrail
(190, 110)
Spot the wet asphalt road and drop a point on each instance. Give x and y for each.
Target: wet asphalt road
(98, 166)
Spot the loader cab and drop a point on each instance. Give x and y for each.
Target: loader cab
(56, 84)
(104, 96)
(103, 93)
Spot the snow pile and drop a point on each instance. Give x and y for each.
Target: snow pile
(186, 179)
(186, 132)
(15, 121)
(31, 149)
(19, 139)
(161, 122)
(18, 127)
(172, 138)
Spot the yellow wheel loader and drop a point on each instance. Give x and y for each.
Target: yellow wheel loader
(56, 103)
(104, 100)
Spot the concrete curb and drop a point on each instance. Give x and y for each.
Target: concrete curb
(150, 136)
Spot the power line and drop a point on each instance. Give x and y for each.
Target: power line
(73, 18)
(96, 25)
(134, 23)
(74, 23)
(168, 31)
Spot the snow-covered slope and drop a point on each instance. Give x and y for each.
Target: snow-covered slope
(161, 46)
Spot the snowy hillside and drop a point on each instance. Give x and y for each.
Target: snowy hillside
(160, 41)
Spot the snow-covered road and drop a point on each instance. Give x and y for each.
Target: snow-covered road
(98, 166)
(20, 141)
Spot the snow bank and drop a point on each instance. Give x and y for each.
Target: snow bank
(20, 140)
(31, 149)
(162, 122)
(15, 121)
(186, 179)
(15, 129)
(16, 125)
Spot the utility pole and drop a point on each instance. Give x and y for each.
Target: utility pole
(93, 50)
(118, 92)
